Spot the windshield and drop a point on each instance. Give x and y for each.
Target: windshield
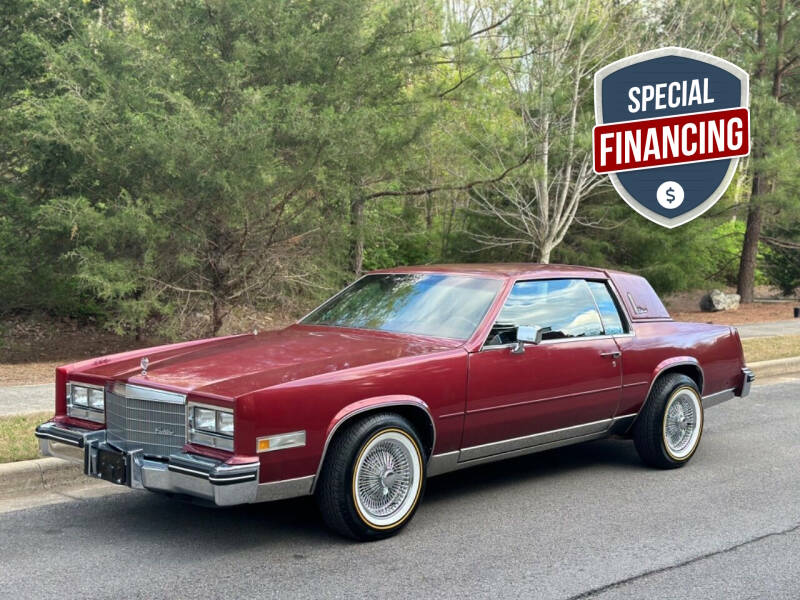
(449, 306)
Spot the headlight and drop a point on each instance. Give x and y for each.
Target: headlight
(210, 426)
(97, 399)
(86, 401)
(205, 419)
(225, 423)
(80, 395)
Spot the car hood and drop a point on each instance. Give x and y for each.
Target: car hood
(231, 367)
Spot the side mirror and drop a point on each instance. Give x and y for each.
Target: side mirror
(528, 334)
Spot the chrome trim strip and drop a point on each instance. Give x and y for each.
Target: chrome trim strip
(188, 471)
(64, 440)
(622, 424)
(717, 398)
(440, 464)
(287, 488)
(545, 437)
(224, 480)
(446, 462)
(138, 392)
(363, 410)
(226, 468)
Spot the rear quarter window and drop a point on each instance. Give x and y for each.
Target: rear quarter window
(609, 311)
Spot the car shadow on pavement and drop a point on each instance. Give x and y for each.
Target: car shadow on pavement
(294, 526)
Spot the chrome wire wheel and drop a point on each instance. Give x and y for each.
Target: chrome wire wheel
(386, 480)
(683, 423)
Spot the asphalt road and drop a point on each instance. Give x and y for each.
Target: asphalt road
(588, 521)
(24, 399)
(754, 330)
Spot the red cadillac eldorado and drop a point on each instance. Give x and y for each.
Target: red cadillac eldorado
(405, 374)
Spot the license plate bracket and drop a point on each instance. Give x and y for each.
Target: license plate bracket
(112, 466)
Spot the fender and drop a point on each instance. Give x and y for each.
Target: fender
(665, 365)
(675, 361)
(368, 404)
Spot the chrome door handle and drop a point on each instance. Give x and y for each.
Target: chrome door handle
(615, 354)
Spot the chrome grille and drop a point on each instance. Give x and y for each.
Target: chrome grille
(157, 428)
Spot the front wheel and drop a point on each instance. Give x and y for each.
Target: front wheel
(373, 478)
(668, 430)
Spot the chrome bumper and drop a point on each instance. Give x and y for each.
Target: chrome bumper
(181, 473)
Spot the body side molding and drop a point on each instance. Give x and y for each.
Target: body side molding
(529, 444)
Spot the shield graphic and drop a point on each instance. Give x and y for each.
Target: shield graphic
(720, 85)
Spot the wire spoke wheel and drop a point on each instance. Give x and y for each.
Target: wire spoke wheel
(683, 419)
(386, 479)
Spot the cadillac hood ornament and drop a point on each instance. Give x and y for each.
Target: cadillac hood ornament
(143, 363)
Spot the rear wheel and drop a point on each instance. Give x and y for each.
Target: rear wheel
(668, 430)
(373, 478)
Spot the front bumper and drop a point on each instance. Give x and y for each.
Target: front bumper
(198, 476)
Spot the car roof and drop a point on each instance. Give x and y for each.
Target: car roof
(505, 270)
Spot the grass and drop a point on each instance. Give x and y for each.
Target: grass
(17, 441)
(782, 346)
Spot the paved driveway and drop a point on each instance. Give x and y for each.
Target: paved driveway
(769, 329)
(22, 399)
(588, 521)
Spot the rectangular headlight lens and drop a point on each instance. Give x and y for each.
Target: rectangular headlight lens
(225, 423)
(80, 395)
(205, 419)
(96, 399)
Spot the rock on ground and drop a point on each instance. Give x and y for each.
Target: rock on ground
(717, 300)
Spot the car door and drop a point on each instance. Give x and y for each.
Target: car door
(572, 379)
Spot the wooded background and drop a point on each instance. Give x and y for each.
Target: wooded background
(160, 160)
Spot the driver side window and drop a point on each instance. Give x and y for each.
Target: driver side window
(565, 305)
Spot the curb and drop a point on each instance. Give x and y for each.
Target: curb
(40, 474)
(776, 367)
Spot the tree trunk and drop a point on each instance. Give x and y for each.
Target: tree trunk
(747, 265)
(544, 253)
(357, 232)
(745, 283)
(217, 316)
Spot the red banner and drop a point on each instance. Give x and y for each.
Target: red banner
(695, 137)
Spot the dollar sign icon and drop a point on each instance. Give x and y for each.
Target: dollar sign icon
(670, 195)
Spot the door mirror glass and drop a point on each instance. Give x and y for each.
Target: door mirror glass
(528, 334)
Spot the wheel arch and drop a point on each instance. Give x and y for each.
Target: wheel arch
(684, 365)
(410, 407)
